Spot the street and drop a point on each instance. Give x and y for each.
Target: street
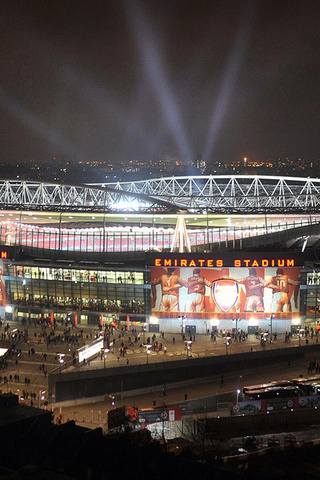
(28, 366)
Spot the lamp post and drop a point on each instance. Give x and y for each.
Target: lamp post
(112, 398)
(144, 332)
(60, 360)
(148, 352)
(41, 396)
(239, 389)
(189, 345)
(105, 356)
(300, 335)
(238, 393)
(228, 338)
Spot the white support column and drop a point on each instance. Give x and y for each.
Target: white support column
(180, 239)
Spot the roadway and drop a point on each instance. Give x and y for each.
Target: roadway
(94, 413)
(28, 366)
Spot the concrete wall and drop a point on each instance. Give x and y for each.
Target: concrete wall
(78, 384)
(173, 325)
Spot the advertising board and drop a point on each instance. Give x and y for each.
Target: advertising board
(161, 415)
(244, 408)
(90, 350)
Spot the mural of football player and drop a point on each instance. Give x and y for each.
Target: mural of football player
(254, 286)
(280, 291)
(196, 292)
(170, 285)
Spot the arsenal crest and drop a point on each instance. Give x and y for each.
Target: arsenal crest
(225, 293)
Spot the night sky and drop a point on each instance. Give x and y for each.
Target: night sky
(121, 80)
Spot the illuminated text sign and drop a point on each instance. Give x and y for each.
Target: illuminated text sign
(219, 262)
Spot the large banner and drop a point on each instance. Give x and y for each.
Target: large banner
(225, 292)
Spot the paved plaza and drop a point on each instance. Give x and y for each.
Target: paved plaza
(26, 373)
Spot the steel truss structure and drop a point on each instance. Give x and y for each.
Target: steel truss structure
(227, 194)
(200, 194)
(28, 195)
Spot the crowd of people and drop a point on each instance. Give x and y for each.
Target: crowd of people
(94, 305)
(25, 347)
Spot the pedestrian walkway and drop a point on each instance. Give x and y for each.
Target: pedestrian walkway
(202, 346)
(165, 348)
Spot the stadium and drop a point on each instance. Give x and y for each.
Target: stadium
(179, 254)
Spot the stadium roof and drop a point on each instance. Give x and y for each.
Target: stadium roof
(231, 194)
(241, 194)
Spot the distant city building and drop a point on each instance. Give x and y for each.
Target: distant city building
(93, 171)
(201, 165)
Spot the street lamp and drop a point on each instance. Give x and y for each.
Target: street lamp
(60, 360)
(238, 393)
(300, 335)
(144, 332)
(41, 396)
(228, 338)
(239, 383)
(148, 351)
(105, 356)
(188, 345)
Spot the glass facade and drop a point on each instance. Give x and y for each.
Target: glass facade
(311, 301)
(78, 289)
(313, 295)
